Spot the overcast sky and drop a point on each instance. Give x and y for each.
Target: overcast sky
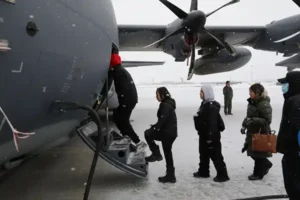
(246, 12)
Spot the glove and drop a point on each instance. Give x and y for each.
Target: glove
(245, 148)
(243, 130)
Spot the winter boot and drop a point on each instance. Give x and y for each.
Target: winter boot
(255, 177)
(257, 174)
(268, 166)
(200, 174)
(222, 175)
(221, 179)
(155, 156)
(169, 177)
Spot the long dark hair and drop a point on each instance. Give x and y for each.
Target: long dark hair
(163, 93)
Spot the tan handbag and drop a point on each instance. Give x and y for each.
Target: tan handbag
(264, 142)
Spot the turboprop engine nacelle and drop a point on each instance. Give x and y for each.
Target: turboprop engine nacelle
(222, 61)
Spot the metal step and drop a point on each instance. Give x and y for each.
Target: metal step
(116, 150)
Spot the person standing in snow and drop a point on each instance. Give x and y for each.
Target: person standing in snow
(127, 97)
(165, 130)
(228, 95)
(258, 119)
(209, 124)
(288, 141)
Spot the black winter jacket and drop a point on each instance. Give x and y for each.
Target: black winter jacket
(124, 85)
(167, 119)
(208, 121)
(287, 140)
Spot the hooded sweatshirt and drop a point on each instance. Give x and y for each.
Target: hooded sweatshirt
(209, 94)
(208, 121)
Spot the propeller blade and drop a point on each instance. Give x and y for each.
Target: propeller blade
(166, 37)
(177, 11)
(229, 48)
(227, 4)
(191, 69)
(297, 2)
(194, 5)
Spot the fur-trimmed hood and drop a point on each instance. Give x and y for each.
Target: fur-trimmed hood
(265, 96)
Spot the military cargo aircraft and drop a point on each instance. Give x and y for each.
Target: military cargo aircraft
(59, 51)
(53, 52)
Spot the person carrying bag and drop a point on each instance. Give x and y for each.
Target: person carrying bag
(258, 120)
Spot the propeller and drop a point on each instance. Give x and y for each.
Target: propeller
(191, 25)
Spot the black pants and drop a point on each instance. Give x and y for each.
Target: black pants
(167, 143)
(121, 116)
(227, 105)
(260, 166)
(291, 175)
(215, 154)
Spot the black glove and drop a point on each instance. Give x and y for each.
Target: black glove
(243, 130)
(245, 148)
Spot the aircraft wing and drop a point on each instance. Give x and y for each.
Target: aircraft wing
(141, 63)
(234, 35)
(135, 37)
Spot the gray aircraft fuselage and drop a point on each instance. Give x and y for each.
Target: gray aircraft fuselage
(66, 59)
(278, 30)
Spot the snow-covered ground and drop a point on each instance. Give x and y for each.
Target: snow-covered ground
(186, 155)
(60, 173)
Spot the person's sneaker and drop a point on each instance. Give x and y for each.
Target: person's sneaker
(124, 140)
(141, 146)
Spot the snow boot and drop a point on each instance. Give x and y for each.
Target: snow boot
(268, 165)
(200, 174)
(255, 177)
(221, 179)
(222, 175)
(155, 156)
(169, 177)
